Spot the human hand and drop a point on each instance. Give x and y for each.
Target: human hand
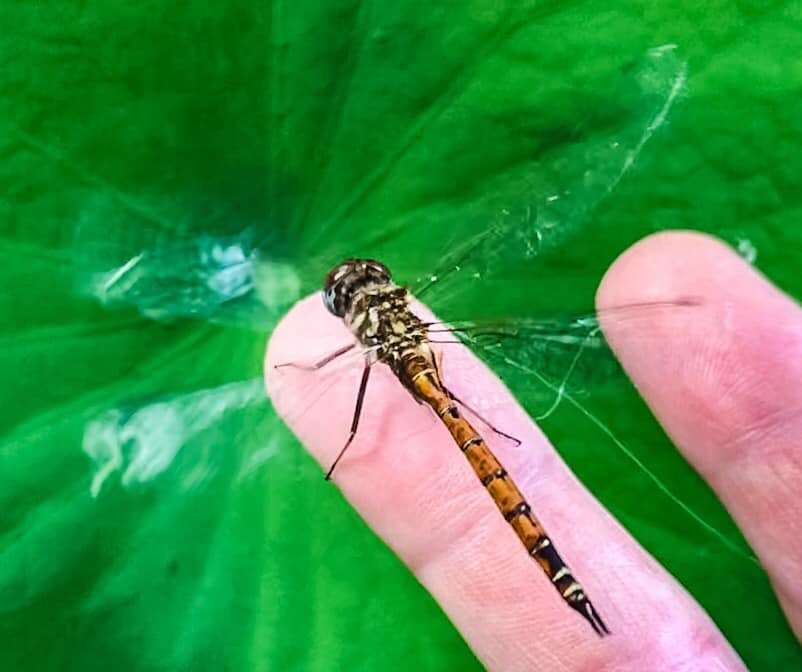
(728, 394)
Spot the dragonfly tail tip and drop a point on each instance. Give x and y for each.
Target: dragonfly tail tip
(585, 608)
(596, 622)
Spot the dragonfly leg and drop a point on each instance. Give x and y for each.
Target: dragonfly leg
(360, 398)
(437, 366)
(484, 421)
(319, 364)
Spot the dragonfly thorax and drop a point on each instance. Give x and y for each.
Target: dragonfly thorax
(380, 318)
(374, 308)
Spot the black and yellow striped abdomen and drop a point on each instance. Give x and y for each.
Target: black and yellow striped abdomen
(424, 381)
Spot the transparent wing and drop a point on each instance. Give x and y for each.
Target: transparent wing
(231, 279)
(553, 198)
(563, 354)
(222, 279)
(237, 279)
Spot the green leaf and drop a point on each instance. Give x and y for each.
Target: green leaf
(176, 175)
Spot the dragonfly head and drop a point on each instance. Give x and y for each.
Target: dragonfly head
(345, 279)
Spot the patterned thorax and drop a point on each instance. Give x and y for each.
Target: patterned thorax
(374, 308)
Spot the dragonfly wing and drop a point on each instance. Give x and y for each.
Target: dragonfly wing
(555, 195)
(219, 279)
(564, 354)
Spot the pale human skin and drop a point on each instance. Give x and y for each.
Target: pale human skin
(727, 392)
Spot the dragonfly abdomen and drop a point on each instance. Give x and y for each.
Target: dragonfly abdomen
(362, 293)
(510, 501)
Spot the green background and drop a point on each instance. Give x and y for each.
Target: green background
(221, 156)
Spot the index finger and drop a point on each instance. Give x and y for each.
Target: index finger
(416, 490)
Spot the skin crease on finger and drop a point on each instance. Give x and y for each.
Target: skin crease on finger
(415, 489)
(726, 384)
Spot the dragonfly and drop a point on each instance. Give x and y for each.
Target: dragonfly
(377, 312)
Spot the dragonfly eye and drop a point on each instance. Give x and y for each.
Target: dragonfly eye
(377, 270)
(333, 302)
(347, 278)
(336, 287)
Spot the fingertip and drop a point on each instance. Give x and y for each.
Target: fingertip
(740, 333)
(710, 369)
(669, 265)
